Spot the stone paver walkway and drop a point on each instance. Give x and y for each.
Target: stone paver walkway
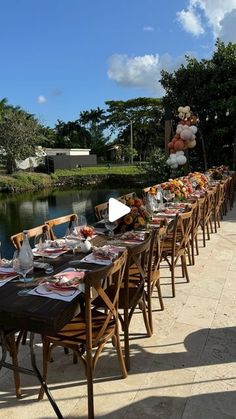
(185, 370)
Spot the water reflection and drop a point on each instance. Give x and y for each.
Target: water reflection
(24, 211)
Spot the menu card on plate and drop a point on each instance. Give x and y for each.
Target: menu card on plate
(6, 275)
(133, 237)
(65, 285)
(50, 252)
(103, 255)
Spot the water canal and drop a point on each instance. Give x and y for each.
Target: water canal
(24, 211)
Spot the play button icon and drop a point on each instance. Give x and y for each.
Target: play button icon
(116, 209)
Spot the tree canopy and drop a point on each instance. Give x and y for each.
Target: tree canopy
(209, 88)
(20, 132)
(146, 115)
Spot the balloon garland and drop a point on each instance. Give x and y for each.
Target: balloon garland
(185, 137)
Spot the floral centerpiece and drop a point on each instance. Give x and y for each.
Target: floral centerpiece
(198, 180)
(86, 232)
(138, 216)
(180, 188)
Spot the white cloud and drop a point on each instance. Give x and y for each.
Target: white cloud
(148, 29)
(190, 21)
(41, 99)
(228, 27)
(212, 14)
(142, 71)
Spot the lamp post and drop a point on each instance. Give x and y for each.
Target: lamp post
(131, 141)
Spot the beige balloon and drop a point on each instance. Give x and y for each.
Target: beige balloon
(192, 143)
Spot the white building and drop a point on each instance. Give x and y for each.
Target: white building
(67, 151)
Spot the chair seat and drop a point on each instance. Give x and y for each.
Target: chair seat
(74, 332)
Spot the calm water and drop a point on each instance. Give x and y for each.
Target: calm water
(24, 211)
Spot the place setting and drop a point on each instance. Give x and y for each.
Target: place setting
(64, 286)
(104, 255)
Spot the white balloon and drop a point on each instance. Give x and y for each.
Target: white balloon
(172, 157)
(181, 160)
(193, 129)
(186, 134)
(179, 128)
(179, 153)
(174, 166)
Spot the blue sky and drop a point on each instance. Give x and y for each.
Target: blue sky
(60, 57)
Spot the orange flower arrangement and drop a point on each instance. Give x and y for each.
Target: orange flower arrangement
(138, 216)
(198, 179)
(87, 232)
(181, 188)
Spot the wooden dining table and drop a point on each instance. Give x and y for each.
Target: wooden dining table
(40, 315)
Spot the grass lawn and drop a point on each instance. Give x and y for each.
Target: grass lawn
(100, 170)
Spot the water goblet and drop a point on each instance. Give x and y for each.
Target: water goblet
(22, 264)
(71, 239)
(110, 225)
(41, 242)
(168, 196)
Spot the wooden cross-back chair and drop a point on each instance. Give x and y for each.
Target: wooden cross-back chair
(153, 270)
(69, 219)
(176, 245)
(224, 196)
(17, 239)
(219, 201)
(88, 332)
(132, 292)
(99, 210)
(206, 215)
(196, 217)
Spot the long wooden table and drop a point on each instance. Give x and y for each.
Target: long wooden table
(37, 314)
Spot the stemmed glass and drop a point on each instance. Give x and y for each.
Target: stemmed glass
(22, 264)
(168, 196)
(72, 239)
(41, 242)
(110, 225)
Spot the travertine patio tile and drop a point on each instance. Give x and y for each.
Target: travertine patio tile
(209, 406)
(163, 395)
(183, 346)
(198, 311)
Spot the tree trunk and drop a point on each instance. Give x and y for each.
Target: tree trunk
(10, 165)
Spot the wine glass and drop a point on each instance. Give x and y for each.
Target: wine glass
(71, 240)
(22, 264)
(168, 196)
(110, 225)
(41, 242)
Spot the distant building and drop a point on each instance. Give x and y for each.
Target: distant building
(67, 151)
(69, 158)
